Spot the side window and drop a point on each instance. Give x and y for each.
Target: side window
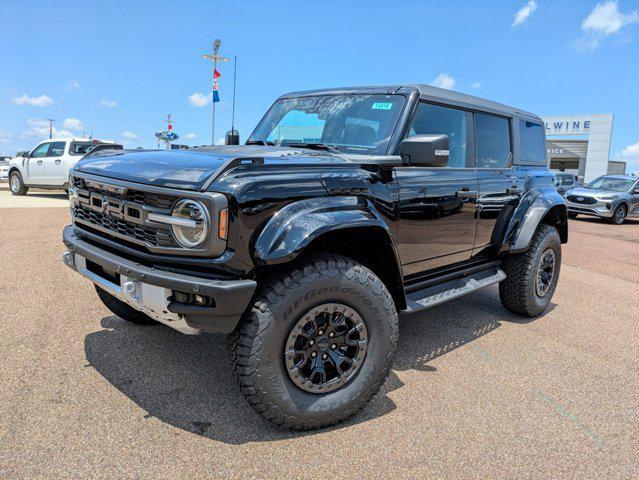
(532, 147)
(57, 149)
(436, 120)
(493, 141)
(41, 150)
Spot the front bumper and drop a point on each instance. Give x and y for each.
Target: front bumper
(150, 290)
(599, 209)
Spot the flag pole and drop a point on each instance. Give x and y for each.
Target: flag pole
(234, 82)
(213, 102)
(215, 57)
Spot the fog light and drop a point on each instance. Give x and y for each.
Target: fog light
(608, 206)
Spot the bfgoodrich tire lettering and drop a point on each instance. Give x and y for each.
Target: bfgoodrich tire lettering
(256, 348)
(519, 292)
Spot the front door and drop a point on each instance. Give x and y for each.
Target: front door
(36, 165)
(437, 205)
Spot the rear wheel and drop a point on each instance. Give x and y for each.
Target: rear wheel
(317, 344)
(619, 216)
(122, 310)
(531, 276)
(16, 184)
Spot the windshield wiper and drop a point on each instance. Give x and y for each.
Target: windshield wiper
(314, 146)
(260, 142)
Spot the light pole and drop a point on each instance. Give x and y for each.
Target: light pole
(215, 58)
(51, 120)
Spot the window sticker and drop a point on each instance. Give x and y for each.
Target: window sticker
(382, 106)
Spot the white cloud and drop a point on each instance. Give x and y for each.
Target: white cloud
(630, 155)
(108, 103)
(5, 137)
(200, 100)
(130, 135)
(190, 136)
(443, 80)
(63, 133)
(220, 141)
(73, 85)
(73, 124)
(475, 85)
(41, 101)
(39, 128)
(524, 13)
(604, 20)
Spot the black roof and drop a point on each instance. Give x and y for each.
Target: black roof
(426, 92)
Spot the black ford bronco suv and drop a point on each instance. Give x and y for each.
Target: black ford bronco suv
(345, 208)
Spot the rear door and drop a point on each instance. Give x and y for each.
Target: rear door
(500, 187)
(436, 208)
(54, 165)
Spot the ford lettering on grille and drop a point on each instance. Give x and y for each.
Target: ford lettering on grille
(114, 207)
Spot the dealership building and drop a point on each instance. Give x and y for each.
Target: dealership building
(580, 144)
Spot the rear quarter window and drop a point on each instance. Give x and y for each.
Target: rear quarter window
(532, 146)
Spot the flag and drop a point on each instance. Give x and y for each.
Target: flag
(216, 95)
(216, 74)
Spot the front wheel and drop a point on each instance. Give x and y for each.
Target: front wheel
(16, 184)
(317, 344)
(619, 216)
(531, 276)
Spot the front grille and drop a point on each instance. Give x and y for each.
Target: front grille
(146, 198)
(156, 236)
(98, 221)
(581, 199)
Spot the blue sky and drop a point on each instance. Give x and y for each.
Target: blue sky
(118, 68)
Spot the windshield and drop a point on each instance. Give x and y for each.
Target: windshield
(610, 183)
(358, 124)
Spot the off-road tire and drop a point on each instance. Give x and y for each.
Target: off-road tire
(14, 178)
(122, 310)
(618, 217)
(256, 347)
(518, 292)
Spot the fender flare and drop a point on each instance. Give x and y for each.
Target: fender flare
(295, 226)
(532, 209)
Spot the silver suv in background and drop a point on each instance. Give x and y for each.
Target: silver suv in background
(565, 181)
(613, 197)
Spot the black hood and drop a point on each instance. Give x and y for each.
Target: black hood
(188, 169)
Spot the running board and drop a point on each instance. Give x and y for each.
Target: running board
(431, 296)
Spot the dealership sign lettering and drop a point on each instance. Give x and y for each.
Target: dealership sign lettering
(567, 125)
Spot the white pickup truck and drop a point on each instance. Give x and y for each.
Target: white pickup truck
(47, 165)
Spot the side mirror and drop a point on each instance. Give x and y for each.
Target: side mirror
(26, 154)
(425, 150)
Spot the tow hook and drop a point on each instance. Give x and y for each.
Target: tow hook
(69, 259)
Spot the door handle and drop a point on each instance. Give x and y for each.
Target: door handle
(39, 162)
(58, 161)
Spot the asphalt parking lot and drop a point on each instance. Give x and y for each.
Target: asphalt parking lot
(474, 393)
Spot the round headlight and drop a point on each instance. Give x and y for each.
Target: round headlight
(193, 230)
